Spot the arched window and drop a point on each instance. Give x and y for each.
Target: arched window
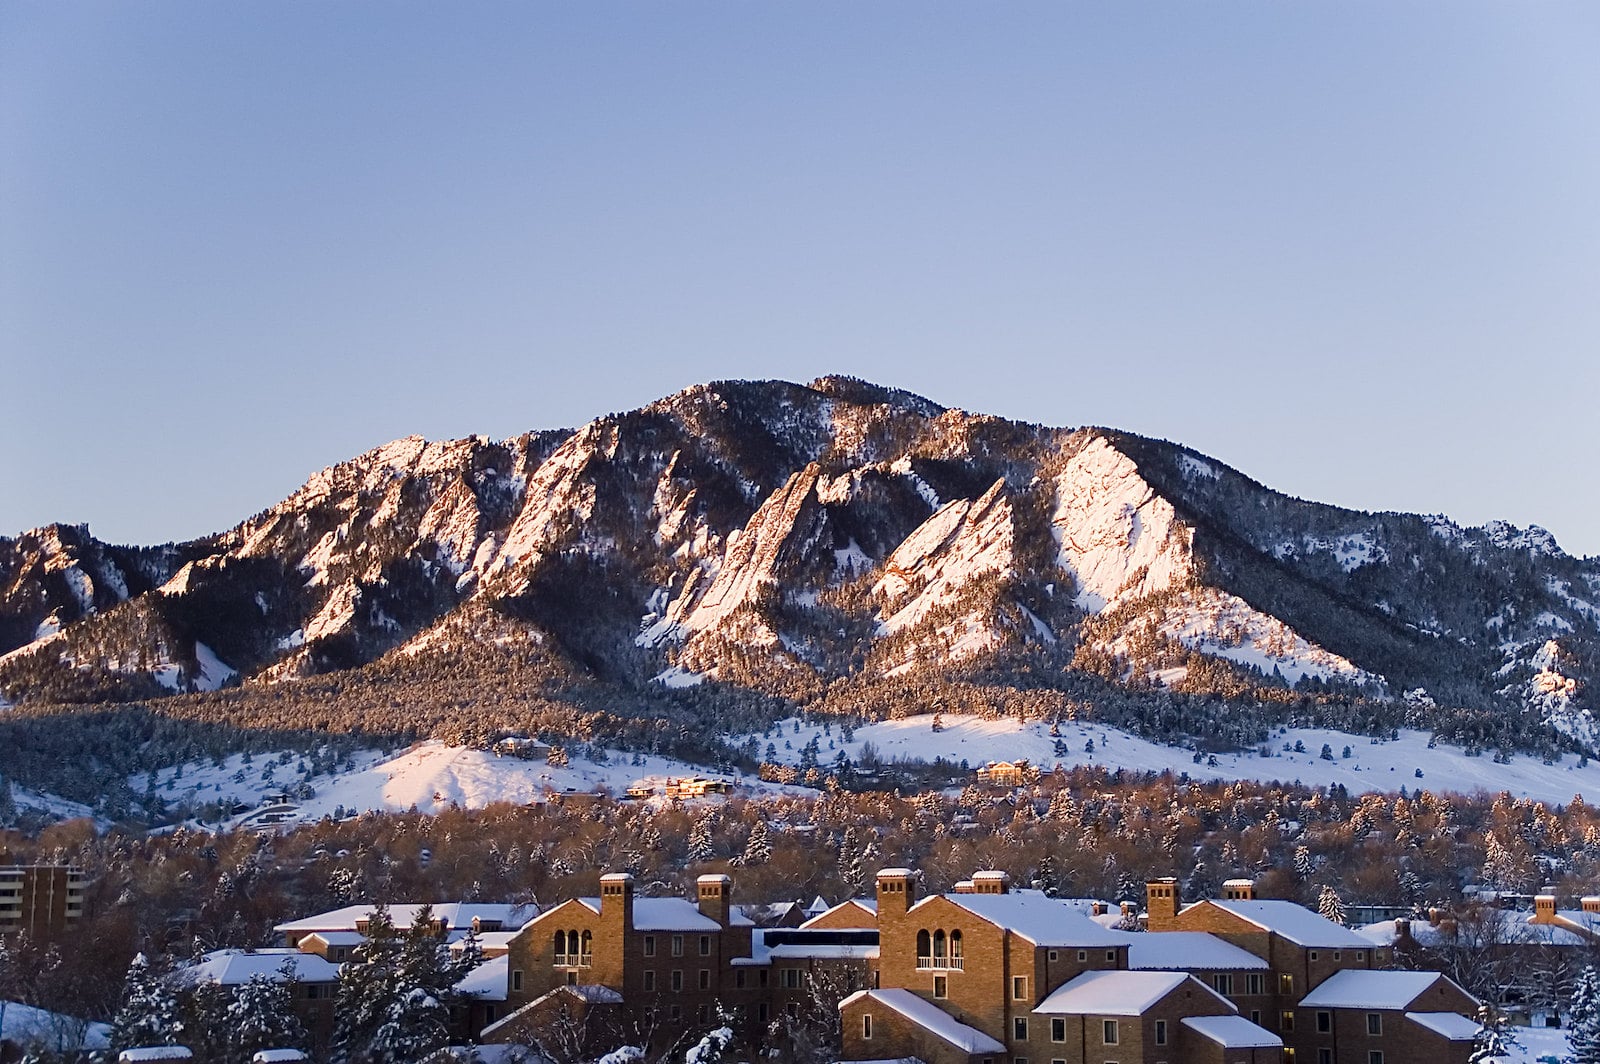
(587, 952)
(561, 947)
(955, 949)
(924, 950)
(938, 949)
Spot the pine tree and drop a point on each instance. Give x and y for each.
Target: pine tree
(757, 851)
(1584, 1032)
(1329, 905)
(262, 1016)
(367, 985)
(1303, 865)
(150, 1014)
(701, 847)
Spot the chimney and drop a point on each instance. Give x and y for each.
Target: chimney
(895, 892)
(1239, 890)
(616, 903)
(991, 883)
(1402, 931)
(1161, 902)
(1591, 904)
(1544, 909)
(1098, 908)
(1127, 909)
(715, 894)
(1433, 916)
(964, 886)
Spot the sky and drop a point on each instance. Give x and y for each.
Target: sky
(1352, 249)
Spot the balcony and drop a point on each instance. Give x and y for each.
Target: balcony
(940, 964)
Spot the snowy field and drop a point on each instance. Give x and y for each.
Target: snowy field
(1382, 766)
(430, 776)
(1538, 1045)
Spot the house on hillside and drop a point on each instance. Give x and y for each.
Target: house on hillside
(1005, 773)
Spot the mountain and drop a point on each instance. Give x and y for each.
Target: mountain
(817, 543)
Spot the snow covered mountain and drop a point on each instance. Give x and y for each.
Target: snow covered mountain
(786, 538)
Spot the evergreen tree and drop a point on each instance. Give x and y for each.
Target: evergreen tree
(701, 847)
(150, 1014)
(367, 985)
(757, 851)
(262, 1016)
(1329, 905)
(1584, 1031)
(1303, 864)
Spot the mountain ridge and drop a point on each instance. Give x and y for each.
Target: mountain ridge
(783, 538)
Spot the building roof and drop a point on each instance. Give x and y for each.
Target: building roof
(1295, 923)
(277, 1056)
(1232, 1032)
(1487, 927)
(486, 941)
(24, 1024)
(339, 938)
(1041, 920)
(1115, 993)
(487, 982)
(670, 914)
(1452, 1025)
(155, 1053)
(1362, 989)
(234, 967)
(456, 914)
(930, 1018)
(1187, 951)
(866, 905)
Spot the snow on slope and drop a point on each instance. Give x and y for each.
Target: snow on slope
(430, 776)
(1117, 537)
(1382, 766)
(960, 542)
(1221, 625)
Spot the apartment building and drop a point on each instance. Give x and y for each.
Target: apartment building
(41, 900)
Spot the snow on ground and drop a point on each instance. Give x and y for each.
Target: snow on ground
(430, 776)
(50, 805)
(1382, 766)
(1539, 1045)
(25, 1025)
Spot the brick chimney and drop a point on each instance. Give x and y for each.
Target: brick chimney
(1161, 902)
(1239, 890)
(991, 883)
(1544, 909)
(1098, 908)
(896, 892)
(1402, 932)
(1591, 903)
(716, 892)
(616, 903)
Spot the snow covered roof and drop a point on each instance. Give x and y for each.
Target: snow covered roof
(487, 941)
(454, 914)
(488, 981)
(1232, 1032)
(1116, 993)
(817, 906)
(868, 906)
(488, 1054)
(1514, 927)
(1452, 1025)
(1361, 989)
(339, 938)
(1295, 923)
(277, 1056)
(233, 967)
(669, 914)
(1041, 920)
(930, 1018)
(154, 1053)
(1187, 951)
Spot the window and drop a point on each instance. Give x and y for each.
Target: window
(924, 949)
(738, 978)
(1374, 1023)
(941, 986)
(705, 945)
(489, 1013)
(1019, 988)
(1255, 983)
(675, 1012)
(1286, 1021)
(1375, 1057)
(761, 977)
(1111, 955)
(1054, 956)
(1312, 954)
(677, 945)
(1161, 1032)
(1285, 983)
(677, 979)
(1361, 955)
(1324, 1022)
(1019, 1028)
(572, 977)
(1222, 982)
(649, 979)
(1108, 1032)
(940, 949)
(705, 978)
(1255, 1017)
(586, 949)
(560, 952)
(866, 1025)
(955, 949)
(1058, 1029)
(649, 945)
(516, 979)
(791, 978)
(793, 1010)
(1324, 1056)
(1019, 1060)
(1337, 955)
(1083, 955)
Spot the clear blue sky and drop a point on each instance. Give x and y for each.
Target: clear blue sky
(1352, 248)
